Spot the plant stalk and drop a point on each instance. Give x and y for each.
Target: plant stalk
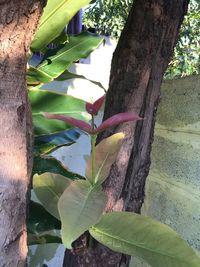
(93, 141)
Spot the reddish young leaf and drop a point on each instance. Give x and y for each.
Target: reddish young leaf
(74, 122)
(117, 119)
(95, 107)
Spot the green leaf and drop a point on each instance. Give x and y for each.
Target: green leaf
(145, 238)
(36, 77)
(80, 206)
(47, 143)
(105, 155)
(42, 164)
(34, 239)
(62, 38)
(45, 101)
(66, 75)
(57, 60)
(54, 19)
(48, 188)
(39, 220)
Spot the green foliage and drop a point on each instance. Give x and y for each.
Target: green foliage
(186, 59)
(109, 17)
(45, 101)
(45, 144)
(66, 75)
(80, 206)
(54, 19)
(57, 60)
(40, 220)
(145, 238)
(44, 163)
(48, 188)
(105, 155)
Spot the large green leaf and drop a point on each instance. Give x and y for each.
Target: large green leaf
(55, 17)
(80, 206)
(39, 220)
(57, 60)
(145, 238)
(45, 101)
(48, 188)
(45, 144)
(105, 155)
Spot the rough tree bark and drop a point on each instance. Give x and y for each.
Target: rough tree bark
(18, 20)
(141, 57)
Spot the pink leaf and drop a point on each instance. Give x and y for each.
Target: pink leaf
(95, 107)
(116, 119)
(77, 123)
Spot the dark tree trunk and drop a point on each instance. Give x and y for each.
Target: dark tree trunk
(18, 20)
(139, 62)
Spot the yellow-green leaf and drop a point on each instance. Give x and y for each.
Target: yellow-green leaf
(105, 155)
(48, 188)
(80, 207)
(145, 238)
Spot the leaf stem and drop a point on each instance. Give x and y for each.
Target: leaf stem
(93, 141)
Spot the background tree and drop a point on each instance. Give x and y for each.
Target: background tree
(18, 23)
(143, 52)
(109, 17)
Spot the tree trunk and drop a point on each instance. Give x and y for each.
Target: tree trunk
(139, 62)
(18, 20)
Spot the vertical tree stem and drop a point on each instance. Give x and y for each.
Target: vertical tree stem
(93, 141)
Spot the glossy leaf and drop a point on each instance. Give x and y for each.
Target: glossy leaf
(45, 101)
(42, 164)
(94, 108)
(54, 19)
(47, 143)
(35, 77)
(143, 237)
(117, 119)
(80, 206)
(34, 239)
(39, 220)
(48, 188)
(105, 155)
(57, 60)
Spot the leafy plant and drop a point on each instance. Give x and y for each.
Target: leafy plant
(79, 204)
(108, 17)
(56, 16)
(53, 64)
(70, 202)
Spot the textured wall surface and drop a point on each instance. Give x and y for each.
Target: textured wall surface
(173, 185)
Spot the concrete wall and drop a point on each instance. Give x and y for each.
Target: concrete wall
(173, 185)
